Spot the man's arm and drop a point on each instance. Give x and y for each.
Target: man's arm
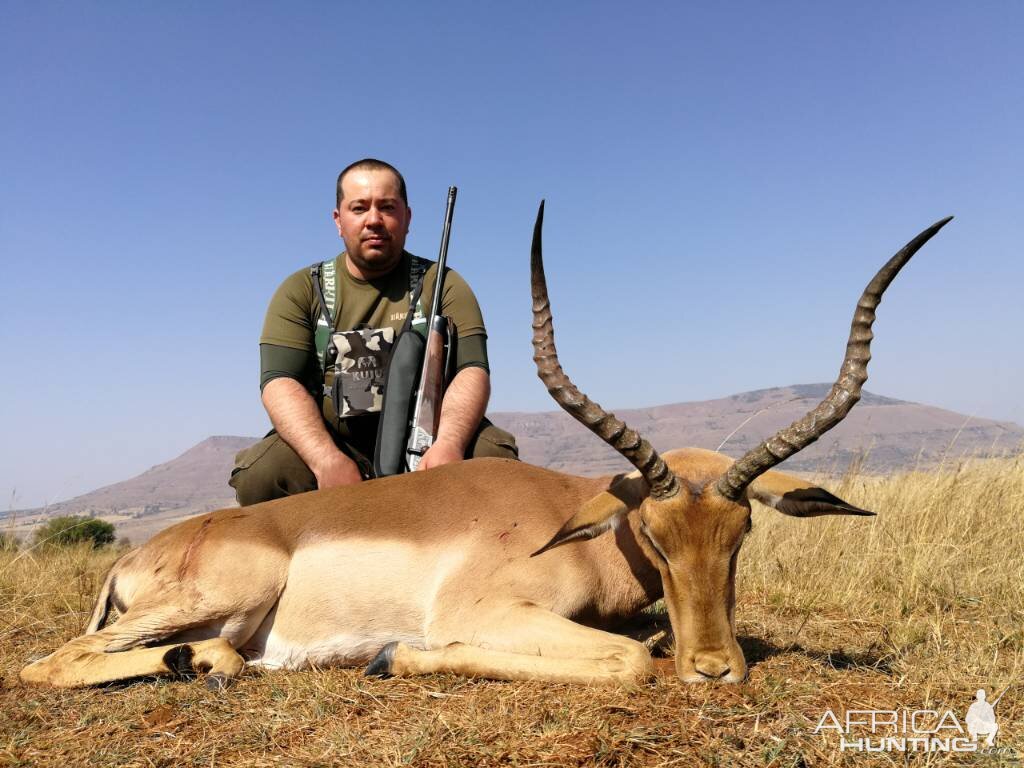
(463, 407)
(297, 419)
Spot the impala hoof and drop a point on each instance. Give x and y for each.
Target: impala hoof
(381, 664)
(179, 662)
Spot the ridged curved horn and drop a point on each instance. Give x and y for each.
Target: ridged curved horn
(639, 452)
(845, 392)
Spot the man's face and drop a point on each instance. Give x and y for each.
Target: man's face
(373, 221)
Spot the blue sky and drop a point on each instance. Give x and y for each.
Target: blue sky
(722, 179)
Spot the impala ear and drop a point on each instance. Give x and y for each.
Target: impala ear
(601, 513)
(798, 498)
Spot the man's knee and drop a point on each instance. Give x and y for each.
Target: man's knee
(268, 470)
(494, 442)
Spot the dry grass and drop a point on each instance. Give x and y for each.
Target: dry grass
(916, 608)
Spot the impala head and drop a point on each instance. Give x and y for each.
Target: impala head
(694, 505)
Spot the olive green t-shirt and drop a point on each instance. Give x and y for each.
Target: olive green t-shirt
(287, 346)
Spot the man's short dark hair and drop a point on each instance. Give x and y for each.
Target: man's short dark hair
(372, 164)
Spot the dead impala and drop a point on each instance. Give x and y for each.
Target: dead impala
(433, 572)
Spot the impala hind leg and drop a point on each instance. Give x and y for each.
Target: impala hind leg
(521, 641)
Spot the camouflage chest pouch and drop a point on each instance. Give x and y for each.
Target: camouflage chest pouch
(355, 378)
(355, 362)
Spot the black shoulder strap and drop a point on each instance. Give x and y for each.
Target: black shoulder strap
(417, 269)
(325, 311)
(325, 322)
(416, 318)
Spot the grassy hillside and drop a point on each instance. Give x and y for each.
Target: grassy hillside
(916, 608)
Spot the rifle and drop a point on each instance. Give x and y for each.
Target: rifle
(1000, 696)
(427, 404)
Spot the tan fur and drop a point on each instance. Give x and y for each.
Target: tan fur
(439, 562)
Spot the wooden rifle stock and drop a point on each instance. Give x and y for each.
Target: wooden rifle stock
(430, 392)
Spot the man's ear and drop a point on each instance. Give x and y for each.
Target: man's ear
(601, 513)
(798, 498)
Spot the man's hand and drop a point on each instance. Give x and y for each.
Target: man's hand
(337, 470)
(296, 417)
(441, 452)
(461, 410)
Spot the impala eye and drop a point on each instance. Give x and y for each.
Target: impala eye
(647, 532)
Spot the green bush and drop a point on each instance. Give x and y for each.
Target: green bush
(8, 542)
(73, 529)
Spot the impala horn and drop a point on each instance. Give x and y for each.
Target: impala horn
(845, 392)
(639, 452)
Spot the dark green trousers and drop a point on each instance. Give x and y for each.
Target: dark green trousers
(271, 469)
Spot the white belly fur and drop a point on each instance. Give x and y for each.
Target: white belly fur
(344, 601)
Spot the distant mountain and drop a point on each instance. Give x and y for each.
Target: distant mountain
(880, 435)
(194, 482)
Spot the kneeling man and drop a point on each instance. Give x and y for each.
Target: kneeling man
(323, 437)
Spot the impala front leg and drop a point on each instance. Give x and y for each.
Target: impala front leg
(520, 641)
(84, 662)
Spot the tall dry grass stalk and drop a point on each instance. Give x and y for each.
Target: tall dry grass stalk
(917, 607)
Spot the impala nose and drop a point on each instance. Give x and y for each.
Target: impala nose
(712, 667)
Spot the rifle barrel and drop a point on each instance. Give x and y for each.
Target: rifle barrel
(442, 257)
